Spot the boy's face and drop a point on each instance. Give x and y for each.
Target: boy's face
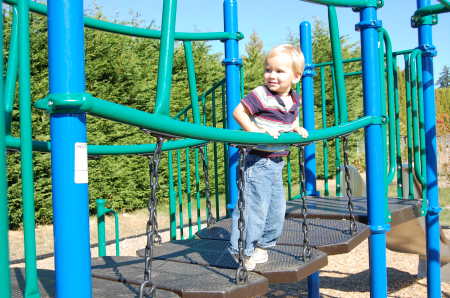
(279, 75)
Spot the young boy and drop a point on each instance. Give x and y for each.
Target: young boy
(272, 108)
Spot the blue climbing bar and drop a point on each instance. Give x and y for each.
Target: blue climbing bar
(374, 152)
(308, 107)
(308, 123)
(69, 150)
(232, 71)
(432, 217)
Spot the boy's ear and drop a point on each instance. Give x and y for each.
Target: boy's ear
(297, 78)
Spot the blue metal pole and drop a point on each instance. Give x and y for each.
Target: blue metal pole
(432, 218)
(374, 152)
(308, 123)
(308, 107)
(69, 151)
(232, 70)
(314, 285)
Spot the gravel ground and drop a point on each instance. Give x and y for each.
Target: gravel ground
(346, 275)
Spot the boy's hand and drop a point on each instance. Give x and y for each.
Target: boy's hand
(301, 131)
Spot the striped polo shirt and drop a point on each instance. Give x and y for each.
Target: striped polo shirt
(269, 110)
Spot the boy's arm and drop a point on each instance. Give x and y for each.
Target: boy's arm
(242, 117)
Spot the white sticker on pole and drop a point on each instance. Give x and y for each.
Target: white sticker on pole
(81, 163)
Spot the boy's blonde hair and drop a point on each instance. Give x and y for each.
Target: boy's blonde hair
(298, 60)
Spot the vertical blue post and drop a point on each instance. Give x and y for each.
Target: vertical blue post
(232, 70)
(374, 152)
(308, 107)
(308, 123)
(432, 218)
(69, 151)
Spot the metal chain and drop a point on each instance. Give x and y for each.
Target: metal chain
(147, 288)
(305, 228)
(353, 226)
(210, 219)
(241, 272)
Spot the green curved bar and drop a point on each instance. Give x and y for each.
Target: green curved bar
(166, 52)
(431, 9)
(417, 125)
(349, 3)
(391, 107)
(167, 125)
(138, 32)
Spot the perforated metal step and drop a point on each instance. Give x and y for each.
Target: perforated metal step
(336, 208)
(187, 280)
(285, 263)
(101, 288)
(329, 235)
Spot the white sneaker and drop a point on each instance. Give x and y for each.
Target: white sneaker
(260, 255)
(249, 263)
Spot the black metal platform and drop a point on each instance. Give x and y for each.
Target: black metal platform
(329, 235)
(336, 208)
(187, 280)
(284, 265)
(101, 288)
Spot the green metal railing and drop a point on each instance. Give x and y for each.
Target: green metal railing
(186, 179)
(202, 123)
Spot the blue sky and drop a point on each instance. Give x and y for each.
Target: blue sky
(274, 20)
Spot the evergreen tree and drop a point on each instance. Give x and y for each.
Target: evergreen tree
(444, 77)
(120, 69)
(254, 63)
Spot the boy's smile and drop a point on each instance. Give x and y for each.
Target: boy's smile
(279, 75)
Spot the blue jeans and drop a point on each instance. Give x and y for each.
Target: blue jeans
(265, 204)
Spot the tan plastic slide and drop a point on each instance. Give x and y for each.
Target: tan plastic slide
(409, 236)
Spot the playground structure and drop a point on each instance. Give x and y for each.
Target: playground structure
(67, 102)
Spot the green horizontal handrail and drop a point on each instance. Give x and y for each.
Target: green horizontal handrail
(349, 3)
(357, 59)
(430, 9)
(403, 52)
(331, 62)
(42, 146)
(167, 125)
(138, 32)
(353, 73)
